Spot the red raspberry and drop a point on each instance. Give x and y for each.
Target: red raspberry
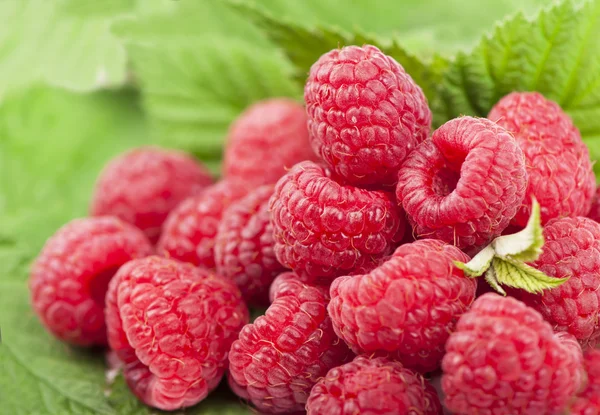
(595, 209)
(572, 249)
(190, 230)
(70, 277)
(558, 162)
(373, 387)
(244, 247)
(407, 306)
(172, 325)
(465, 184)
(268, 137)
(143, 185)
(278, 358)
(504, 359)
(324, 229)
(588, 401)
(365, 114)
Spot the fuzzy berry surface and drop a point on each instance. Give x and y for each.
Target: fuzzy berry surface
(324, 229)
(465, 184)
(373, 386)
(571, 249)
(265, 140)
(69, 278)
(588, 401)
(190, 230)
(277, 359)
(407, 306)
(143, 185)
(595, 209)
(560, 171)
(171, 324)
(504, 359)
(365, 114)
(244, 247)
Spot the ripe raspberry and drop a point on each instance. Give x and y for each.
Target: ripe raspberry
(407, 306)
(588, 401)
(190, 230)
(244, 246)
(70, 277)
(504, 359)
(278, 358)
(558, 162)
(365, 114)
(172, 325)
(323, 229)
(465, 184)
(572, 249)
(267, 138)
(373, 387)
(143, 185)
(595, 209)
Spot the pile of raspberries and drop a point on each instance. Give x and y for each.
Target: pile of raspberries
(343, 216)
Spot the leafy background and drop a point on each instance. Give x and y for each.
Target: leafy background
(83, 80)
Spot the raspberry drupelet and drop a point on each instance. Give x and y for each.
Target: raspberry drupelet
(588, 401)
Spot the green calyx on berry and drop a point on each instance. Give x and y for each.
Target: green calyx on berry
(503, 262)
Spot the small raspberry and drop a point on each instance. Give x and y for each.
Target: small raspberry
(324, 229)
(278, 358)
(143, 185)
(267, 138)
(365, 114)
(172, 325)
(465, 184)
(504, 359)
(190, 230)
(588, 401)
(407, 306)
(244, 246)
(595, 209)
(70, 277)
(373, 387)
(558, 162)
(571, 249)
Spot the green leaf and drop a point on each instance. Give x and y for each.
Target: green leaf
(492, 279)
(479, 263)
(517, 274)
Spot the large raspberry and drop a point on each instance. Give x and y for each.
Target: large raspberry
(70, 277)
(572, 249)
(278, 358)
(588, 401)
(324, 229)
(267, 138)
(558, 162)
(373, 387)
(172, 324)
(595, 209)
(190, 230)
(365, 114)
(244, 246)
(407, 306)
(465, 184)
(143, 185)
(504, 359)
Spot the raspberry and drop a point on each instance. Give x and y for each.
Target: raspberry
(190, 230)
(373, 387)
(365, 114)
(572, 249)
(595, 209)
(143, 185)
(407, 306)
(324, 229)
(558, 162)
(504, 359)
(244, 247)
(465, 184)
(172, 325)
(588, 401)
(70, 277)
(268, 137)
(278, 358)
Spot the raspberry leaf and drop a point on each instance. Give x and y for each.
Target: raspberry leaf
(478, 265)
(518, 274)
(492, 279)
